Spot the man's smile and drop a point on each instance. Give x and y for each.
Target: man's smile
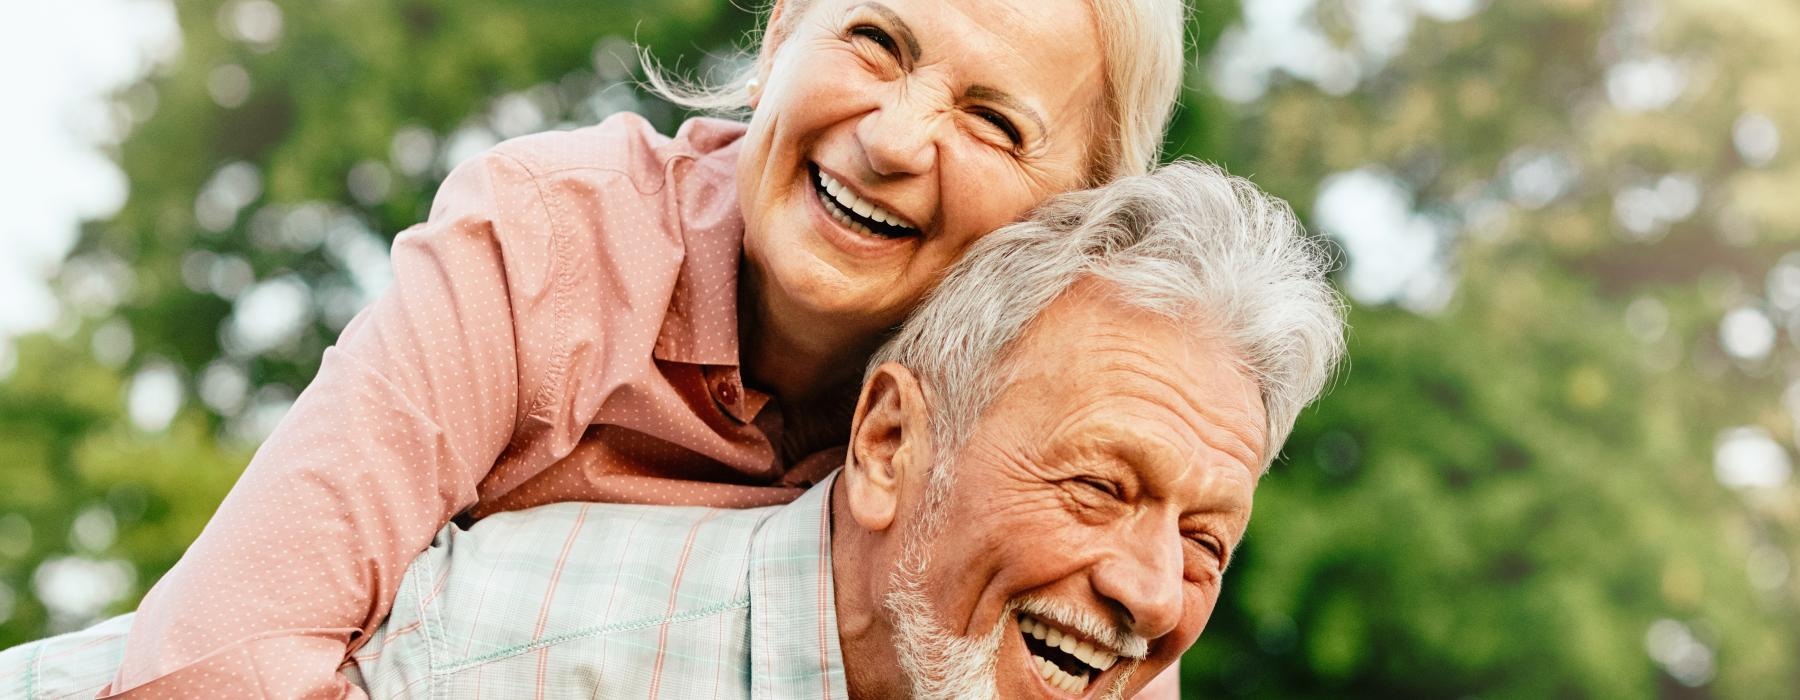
(1064, 658)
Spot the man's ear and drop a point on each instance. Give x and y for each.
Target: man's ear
(890, 440)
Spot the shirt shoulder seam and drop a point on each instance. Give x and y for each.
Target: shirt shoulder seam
(541, 398)
(515, 650)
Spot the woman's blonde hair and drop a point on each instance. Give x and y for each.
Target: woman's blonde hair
(1141, 43)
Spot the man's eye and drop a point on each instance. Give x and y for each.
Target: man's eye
(1103, 486)
(878, 36)
(1208, 545)
(1003, 124)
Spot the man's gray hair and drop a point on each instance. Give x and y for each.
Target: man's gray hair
(1187, 242)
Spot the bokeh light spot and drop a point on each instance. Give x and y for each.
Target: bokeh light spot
(1674, 647)
(1757, 139)
(154, 397)
(1747, 334)
(229, 85)
(1749, 458)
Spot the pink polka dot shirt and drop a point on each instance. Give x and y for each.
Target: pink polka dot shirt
(563, 327)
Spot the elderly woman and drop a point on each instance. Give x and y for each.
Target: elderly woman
(611, 315)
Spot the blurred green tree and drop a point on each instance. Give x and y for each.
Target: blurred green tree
(1558, 467)
(1518, 489)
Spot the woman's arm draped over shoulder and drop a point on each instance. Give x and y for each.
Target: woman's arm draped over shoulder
(408, 412)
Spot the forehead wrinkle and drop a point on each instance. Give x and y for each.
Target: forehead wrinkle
(1113, 427)
(1098, 426)
(1154, 455)
(1224, 431)
(1057, 100)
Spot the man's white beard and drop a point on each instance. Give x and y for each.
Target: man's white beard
(939, 664)
(943, 666)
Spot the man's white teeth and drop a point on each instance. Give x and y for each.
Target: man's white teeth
(1057, 678)
(1099, 659)
(847, 199)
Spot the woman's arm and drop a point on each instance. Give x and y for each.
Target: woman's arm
(408, 412)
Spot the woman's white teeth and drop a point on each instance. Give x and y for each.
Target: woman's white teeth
(842, 218)
(843, 197)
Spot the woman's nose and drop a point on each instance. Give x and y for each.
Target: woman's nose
(900, 138)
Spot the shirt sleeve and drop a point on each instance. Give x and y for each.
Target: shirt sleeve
(75, 664)
(409, 411)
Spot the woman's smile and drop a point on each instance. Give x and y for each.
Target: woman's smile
(888, 136)
(856, 211)
(853, 234)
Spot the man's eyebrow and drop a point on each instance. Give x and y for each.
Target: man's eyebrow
(988, 94)
(900, 28)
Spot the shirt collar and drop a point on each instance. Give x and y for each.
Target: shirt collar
(700, 326)
(793, 608)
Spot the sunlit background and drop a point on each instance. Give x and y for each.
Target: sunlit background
(1559, 466)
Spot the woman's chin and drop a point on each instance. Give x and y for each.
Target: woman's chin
(825, 293)
(820, 297)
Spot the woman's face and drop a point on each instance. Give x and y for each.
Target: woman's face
(890, 134)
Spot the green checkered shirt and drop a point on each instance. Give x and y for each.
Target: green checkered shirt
(574, 600)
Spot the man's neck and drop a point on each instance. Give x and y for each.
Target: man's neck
(867, 643)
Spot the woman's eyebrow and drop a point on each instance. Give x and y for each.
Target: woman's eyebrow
(984, 93)
(899, 26)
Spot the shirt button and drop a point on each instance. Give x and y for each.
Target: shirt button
(727, 393)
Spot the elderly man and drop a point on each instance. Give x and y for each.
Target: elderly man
(1049, 468)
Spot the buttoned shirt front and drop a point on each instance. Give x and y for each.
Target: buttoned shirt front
(553, 602)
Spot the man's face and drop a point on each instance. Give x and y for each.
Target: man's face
(1091, 514)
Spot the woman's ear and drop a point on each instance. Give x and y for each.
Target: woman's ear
(890, 441)
(775, 32)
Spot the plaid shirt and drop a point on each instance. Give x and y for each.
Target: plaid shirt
(574, 600)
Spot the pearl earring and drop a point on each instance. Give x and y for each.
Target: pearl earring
(753, 85)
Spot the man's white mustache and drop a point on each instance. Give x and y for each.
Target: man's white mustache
(1118, 640)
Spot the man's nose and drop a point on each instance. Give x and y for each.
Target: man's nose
(1145, 582)
(900, 137)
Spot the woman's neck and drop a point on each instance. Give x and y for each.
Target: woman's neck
(815, 386)
(800, 371)
(802, 360)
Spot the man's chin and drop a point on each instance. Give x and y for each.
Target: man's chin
(939, 664)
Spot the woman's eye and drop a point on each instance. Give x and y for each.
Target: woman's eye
(880, 38)
(1003, 124)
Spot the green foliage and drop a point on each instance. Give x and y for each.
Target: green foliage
(1510, 493)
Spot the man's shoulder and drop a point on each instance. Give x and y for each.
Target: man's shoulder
(583, 569)
(610, 599)
(587, 598)
(603, 532)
